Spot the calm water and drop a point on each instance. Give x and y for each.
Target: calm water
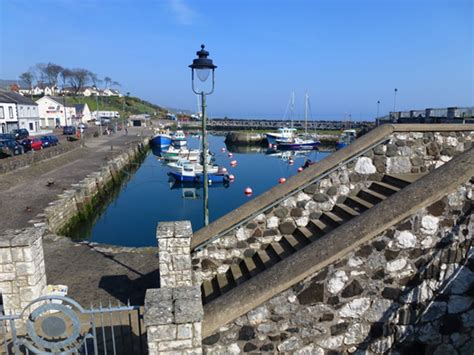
(147, 197)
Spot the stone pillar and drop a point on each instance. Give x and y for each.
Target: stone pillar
(22, 270)
(174, 313)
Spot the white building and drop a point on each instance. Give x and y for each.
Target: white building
(26, 111)
(53, 113)
(8, 114)
(83, 113)
(105, 114)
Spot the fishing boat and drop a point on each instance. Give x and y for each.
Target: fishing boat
(178, 139)
(188, 174)
(161, 139)
(304, 142)
(283, 134)
(178, 165)
(346, 137)
(175, 154)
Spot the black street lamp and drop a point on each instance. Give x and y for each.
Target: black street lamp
(378, 107)
(202, 66)
(394, 99)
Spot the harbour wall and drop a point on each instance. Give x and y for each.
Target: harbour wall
(250, 138)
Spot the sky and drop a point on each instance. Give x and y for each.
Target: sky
(346, 54)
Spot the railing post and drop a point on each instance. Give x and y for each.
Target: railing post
(174, 313)
(22, 269)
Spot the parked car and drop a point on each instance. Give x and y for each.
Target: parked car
(82, 126)
(69, 130)
(32, 144)
(21, 133)
(7, 136)
(49, 141)
(11, 147)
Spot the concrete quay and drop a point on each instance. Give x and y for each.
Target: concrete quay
(91, 273)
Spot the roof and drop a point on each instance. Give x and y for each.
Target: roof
(60, 100)
(79, 107)
(17, 98)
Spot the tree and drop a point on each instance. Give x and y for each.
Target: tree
(78, 79)
(94, 78)
(107, 81)
(28, 78)
(115, 83)
(51, 72)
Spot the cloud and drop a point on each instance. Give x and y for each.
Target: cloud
(185, 15)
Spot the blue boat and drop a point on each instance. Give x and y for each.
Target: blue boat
(198, 178)
(161, 140)
(299, 144)
(347, 137)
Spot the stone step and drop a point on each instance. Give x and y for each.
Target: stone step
(331, 219)
(397, 181)
(235, 275)
(357, 204)
(344, 211)
(318, 227)
(295, 243)
(275, 249)
(248, 266)
(384, 188)
(303, 234)
(371, 196)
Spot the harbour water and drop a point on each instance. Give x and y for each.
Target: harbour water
(148, 197)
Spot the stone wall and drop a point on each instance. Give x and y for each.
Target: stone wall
(77, 202)
(401, 153)
(22, 161)
(22, 271)
(409, 289)
(174, 313)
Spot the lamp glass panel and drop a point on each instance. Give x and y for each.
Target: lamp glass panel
(203, 74)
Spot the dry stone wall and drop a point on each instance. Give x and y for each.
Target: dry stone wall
(409, 290)
(401, 153)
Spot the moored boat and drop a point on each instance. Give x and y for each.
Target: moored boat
(188, 174)
(161, 139)
(299, 144)
(284, 134)
(198, 168)
(347, 137)
(178, 139)
(175, 154)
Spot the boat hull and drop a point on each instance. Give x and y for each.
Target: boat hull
(298, 146)
(275, 138)
(179, 143)
(161, 140)
(198, 178)
(340, 145)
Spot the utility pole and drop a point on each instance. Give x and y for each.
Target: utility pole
(97, 114)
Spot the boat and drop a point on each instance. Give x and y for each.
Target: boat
(161, 139)
(175, 154)
(179, 164)
(283, 134)
(304, 142)
(345, 138)
(188, 174)
(178, 139)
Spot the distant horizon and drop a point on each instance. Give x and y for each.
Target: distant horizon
(346, 54)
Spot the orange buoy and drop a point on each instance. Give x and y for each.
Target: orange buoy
(230, 155)
(231, 178)
(291, 161)
(248, 191)
(282, 180)
(300, 169)
(233, 163)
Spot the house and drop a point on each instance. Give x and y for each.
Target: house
(8, 114)
(53, 112)
(26, 111)
(111, 92)
(83, 113)
(90, 91)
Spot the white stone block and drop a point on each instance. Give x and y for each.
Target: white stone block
(185, 331)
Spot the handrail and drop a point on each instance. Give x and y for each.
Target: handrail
(312, 174)
(337, 243)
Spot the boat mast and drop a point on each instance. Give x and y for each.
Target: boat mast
(292, 107)
(306, 114)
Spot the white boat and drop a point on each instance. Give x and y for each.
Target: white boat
(198, 168)
(178, 139)
(175, 154)
(283, 134)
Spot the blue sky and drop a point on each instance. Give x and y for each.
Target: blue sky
(347, 54)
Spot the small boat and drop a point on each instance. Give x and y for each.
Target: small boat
(347, 137)
(178, 165)
(178, 139)
(161, 139)
(189, 174)
(285, 134)
(299, 144)
(175, 154)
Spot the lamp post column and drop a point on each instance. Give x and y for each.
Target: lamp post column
(204, 158)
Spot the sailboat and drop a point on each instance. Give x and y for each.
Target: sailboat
(300, 143)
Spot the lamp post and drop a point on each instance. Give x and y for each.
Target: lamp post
(65, 115)
(394, 99)
(202, 66)
(378, 109)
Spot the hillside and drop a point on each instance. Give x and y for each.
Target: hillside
(132, 105)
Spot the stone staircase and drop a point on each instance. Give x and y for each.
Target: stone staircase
(296, 239)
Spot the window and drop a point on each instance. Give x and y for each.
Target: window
(2, 112)
(31, 126)
(10, 112)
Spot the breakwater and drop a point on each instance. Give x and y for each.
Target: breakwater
(252, 138)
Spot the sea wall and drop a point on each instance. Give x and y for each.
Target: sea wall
(400, 153)
(407, 290)
(78, 202)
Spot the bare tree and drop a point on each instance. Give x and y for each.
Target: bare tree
(51, 72)
(94, 78)
(79, 78)
(40, 73)
(115, 83)
(107, 81)
(28, 78)
(65, 75)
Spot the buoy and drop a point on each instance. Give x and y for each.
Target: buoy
(222, 149)
(291, 161)
(248, 191)
(282, 180)
(231, 177)
(223, 170)
(230, 155)
(300, 169)
(233, 163)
